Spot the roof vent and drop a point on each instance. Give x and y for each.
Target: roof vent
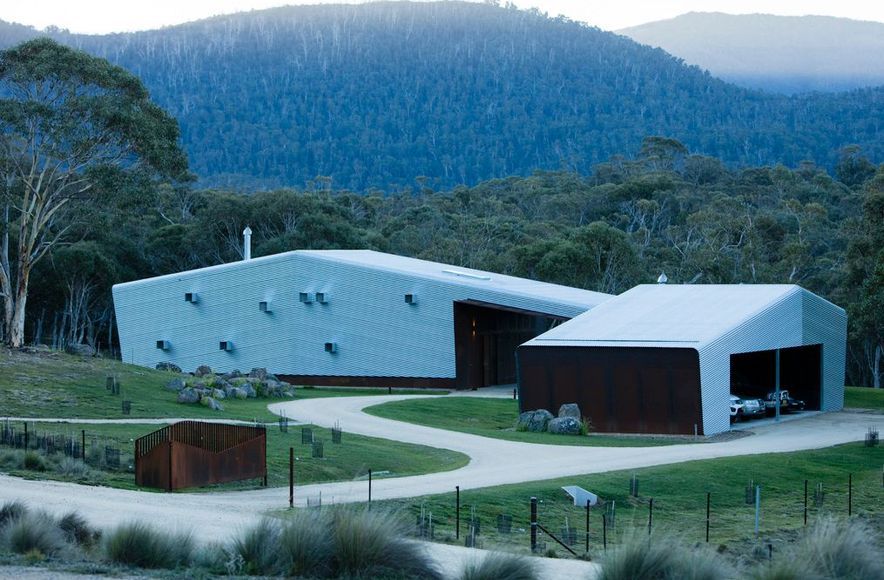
(247, 243)
(306, 297)
(163, 345)
(331, 347)
(322, 297)
(265, 306)
(191, 297)
(410, 299)
(662, 279)
(225, 345)
(467, 275)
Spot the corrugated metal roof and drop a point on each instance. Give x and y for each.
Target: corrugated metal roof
(663, 315)
(455, 275)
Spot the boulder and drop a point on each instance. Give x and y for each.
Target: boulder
(167, 366)
(534, 421)
(81, 349)
(258, 373)
(238, 393)
(188, 395)
(211, 403)
(570, 410)
(218, 394)
(203, 370)
(234, 374)
(249, 390)
(564, 426)
(176, 384)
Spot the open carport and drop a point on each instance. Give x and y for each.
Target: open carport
(664, 358)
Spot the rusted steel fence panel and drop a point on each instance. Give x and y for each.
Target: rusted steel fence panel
(194, 453)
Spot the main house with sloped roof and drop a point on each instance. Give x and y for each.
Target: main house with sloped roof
(343, 317)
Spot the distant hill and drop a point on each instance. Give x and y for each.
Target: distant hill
(786, 54)
(377, 95)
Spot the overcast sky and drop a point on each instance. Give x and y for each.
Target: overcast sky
(102, 16)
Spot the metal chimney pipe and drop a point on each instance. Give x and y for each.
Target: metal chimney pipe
(247, 243)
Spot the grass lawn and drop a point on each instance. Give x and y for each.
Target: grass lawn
(495, 418)
(59, 385)
(679, 493)
(864, 398)
(341, 462)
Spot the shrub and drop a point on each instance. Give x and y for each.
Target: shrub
(257, 548)
(12, 510)
(33, 532)
(12, 459)
(71, 467)
(77, 530)
(640, 557)
(34, 461)
(136, 544)
(305, 545)
(840, 549)
(372, 544)
(500, 566)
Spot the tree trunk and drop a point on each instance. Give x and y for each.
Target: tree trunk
(876, 372)
(16, 329)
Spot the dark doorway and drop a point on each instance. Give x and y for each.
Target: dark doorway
(486, 337)
(753, 374)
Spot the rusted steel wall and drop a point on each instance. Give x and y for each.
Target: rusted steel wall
(193, 454)
(620, 390)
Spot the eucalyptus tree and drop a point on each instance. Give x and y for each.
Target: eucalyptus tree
(68, 121)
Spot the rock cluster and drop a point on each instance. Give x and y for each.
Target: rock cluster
(207, 388)
(569, 421)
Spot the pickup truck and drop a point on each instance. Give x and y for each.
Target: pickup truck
(787, 403)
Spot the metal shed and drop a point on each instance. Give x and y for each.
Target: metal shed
(664, 358)
(343, 317)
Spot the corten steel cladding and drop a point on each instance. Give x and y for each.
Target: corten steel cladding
(621, 390)
(194, 453)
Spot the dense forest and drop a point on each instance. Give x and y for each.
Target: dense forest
(661, 210)
(376, 95)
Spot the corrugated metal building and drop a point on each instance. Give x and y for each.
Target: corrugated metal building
(664, 358)
(343, 317)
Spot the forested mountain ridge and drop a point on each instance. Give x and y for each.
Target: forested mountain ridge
(786, 54)
(377, 95)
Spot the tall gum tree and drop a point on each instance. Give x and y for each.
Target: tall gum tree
(66, 118)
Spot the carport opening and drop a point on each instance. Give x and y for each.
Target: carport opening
(753, 374)
(486, 337)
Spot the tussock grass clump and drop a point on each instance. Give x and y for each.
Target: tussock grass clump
(77, 530)
(305, 545)
(662, 558)
(35, 532)
(832, 549)
(257, 548)
(12, 510)
(373, 544)
(137, 544)
(500, 566)
(34, 461)
(12, 459)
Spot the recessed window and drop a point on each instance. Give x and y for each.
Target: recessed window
(191, 297)
(410, 299)
(264, 306)
(307, 297)
(331, 347)
(322, 297)
(163, 345)
(225, 345)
